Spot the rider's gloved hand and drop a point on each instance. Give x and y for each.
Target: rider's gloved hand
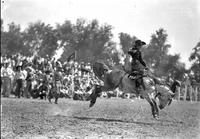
(146, 68)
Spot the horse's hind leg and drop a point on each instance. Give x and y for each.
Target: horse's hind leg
(95, 93)
(93, 100)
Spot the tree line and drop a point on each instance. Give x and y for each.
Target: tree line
(93, 41)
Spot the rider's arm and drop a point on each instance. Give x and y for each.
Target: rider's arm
(141, 60)
(130, 52)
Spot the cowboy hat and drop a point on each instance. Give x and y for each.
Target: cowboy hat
(139, 43)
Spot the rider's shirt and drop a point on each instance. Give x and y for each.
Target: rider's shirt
(136, 58)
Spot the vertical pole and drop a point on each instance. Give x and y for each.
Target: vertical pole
(185, 93)
(75, 55)
(73, 86)
(73, 73)
(191, 91)
(196, 94)
(179, 92)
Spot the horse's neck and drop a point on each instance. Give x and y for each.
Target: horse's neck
(109, 71)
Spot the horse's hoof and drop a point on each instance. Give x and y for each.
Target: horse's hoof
(91, 104)
(156, 117)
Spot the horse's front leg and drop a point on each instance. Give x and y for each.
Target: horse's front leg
(153, 109)
(156, 109)
(95, 93)
(152, 103)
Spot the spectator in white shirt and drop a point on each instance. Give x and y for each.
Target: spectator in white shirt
(19, 79)
(7, 74)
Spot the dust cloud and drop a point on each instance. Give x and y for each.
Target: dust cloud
(57, 110)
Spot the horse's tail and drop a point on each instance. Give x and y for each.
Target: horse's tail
(99, 69)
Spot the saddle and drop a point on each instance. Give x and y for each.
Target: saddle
(138, 77)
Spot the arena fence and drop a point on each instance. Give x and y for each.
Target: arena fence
(188, 92)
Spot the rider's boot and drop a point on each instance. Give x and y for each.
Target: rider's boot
(140, 84)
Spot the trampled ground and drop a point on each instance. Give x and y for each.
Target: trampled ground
(109, 118)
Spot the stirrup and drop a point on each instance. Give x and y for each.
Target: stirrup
(132, 77)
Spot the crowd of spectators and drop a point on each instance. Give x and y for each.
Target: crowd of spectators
(29, 77)
(23, 76)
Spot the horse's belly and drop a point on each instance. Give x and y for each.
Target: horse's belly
(128, 86)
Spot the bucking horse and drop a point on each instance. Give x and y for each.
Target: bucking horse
(118, 78)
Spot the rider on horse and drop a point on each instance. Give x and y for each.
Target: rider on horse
(136, 55)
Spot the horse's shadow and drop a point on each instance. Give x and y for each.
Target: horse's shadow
(156, 123)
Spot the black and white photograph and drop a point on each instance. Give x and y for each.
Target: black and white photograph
(100, 69)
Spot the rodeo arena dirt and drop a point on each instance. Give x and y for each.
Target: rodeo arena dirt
(33, 108)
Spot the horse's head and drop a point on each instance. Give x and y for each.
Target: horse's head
(164, 95)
